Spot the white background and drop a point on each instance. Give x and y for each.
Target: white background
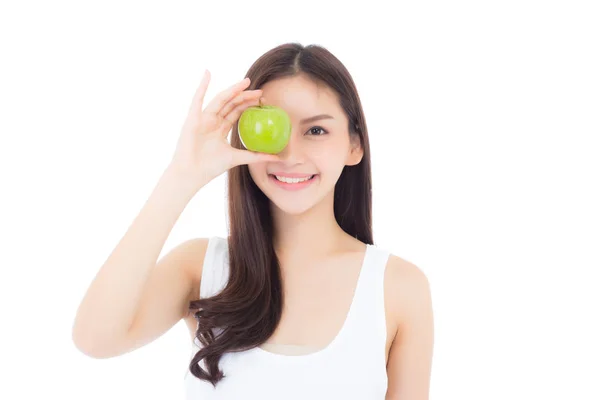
(484, 120)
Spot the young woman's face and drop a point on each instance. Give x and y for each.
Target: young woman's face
(319, 147)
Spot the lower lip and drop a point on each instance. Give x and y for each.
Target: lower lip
(292, 186)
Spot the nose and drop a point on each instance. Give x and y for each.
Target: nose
(292, 153)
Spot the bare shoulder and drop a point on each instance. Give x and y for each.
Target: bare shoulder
(411, 351)
(406, 287)
(188, 258)
(192, 253)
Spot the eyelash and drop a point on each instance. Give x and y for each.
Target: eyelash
(318, 127)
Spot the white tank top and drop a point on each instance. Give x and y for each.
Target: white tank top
(352, 366)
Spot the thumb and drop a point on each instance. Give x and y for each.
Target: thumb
(249, 157)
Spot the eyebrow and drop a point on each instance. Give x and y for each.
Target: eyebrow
(315, 118)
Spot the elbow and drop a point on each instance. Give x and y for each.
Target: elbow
(90, 346)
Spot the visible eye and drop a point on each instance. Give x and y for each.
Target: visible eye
(317, 129)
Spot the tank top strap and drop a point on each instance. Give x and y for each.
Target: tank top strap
(367, 321)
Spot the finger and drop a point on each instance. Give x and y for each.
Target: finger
(246, 95)
(224, 97)
(200, 92)
(241, 157)
(234, 115)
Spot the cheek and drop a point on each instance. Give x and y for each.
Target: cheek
(256, 171)
(320, 153)
(329, 159)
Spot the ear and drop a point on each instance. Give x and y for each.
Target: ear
(356, 152)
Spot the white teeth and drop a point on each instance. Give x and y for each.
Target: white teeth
(291, 180)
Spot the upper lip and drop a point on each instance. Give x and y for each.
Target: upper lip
(292, 175)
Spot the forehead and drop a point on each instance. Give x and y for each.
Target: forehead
(301, 97)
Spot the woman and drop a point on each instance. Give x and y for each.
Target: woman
(297, 302)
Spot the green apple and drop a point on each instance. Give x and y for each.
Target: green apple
(264, 128)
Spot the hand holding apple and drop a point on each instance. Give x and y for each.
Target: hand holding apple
(203, 151)
(264, 128)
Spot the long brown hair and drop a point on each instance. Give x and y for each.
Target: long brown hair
(246, 312)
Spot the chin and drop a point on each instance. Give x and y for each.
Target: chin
(290, 207)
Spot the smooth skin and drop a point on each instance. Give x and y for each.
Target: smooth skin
(117, 295)
(135, 299)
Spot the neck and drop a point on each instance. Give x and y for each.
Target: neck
(311, 234)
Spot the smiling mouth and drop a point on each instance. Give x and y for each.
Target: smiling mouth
(292, 181)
